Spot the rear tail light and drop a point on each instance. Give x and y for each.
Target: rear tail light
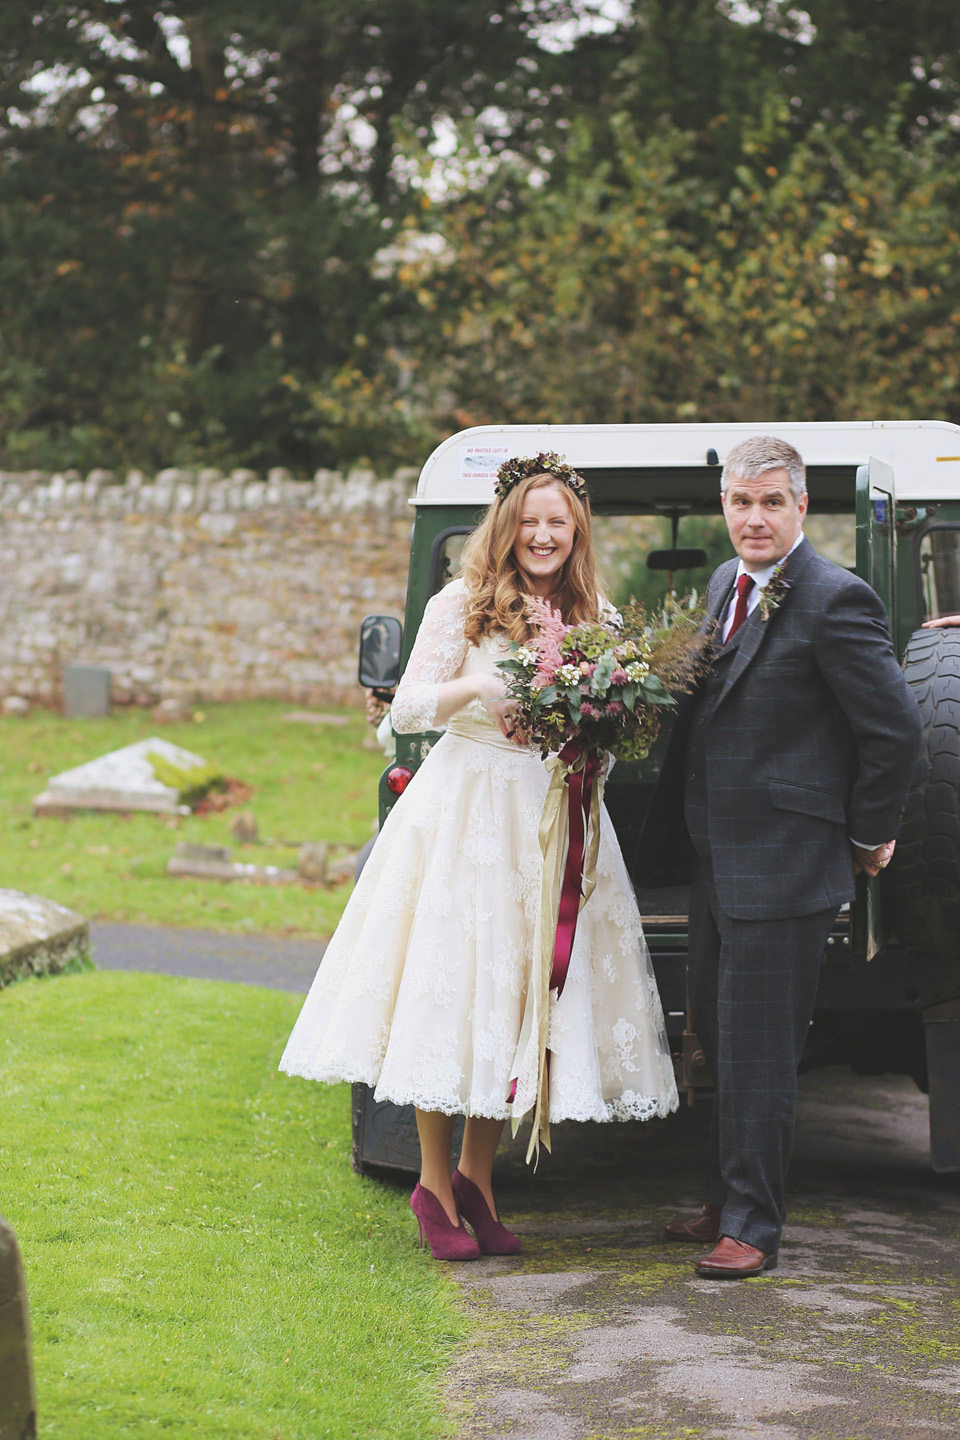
(398, 779)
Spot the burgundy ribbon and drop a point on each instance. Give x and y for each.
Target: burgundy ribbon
(579, 794)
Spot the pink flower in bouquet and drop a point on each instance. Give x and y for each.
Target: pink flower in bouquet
(586, 668)
(614, 707)
(549, 631)
(619, 676)
(590, 711)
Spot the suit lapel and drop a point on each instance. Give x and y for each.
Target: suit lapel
(745, 645)
(717, 610)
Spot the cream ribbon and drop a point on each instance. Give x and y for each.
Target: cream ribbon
(531, 1065)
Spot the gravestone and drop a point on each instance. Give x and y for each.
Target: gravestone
(312, 863)
(38, 936)
(122, 780)
(86, 691)
(18, 1394)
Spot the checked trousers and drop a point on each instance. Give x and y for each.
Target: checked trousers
(753, 984)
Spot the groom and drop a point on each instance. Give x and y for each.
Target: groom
(786, 772)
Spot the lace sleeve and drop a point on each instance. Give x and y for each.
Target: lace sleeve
(438, 653)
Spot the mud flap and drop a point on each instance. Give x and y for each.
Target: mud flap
(385, 1135)
(942, 1029)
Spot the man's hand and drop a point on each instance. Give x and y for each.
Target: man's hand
(942, 623)
(871, 862)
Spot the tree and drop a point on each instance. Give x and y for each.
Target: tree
(192, 196)
(225, 238)
(633, 293)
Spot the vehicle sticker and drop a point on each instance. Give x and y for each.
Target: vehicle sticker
(481, 462)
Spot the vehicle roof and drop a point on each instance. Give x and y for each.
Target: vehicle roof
(924, 454)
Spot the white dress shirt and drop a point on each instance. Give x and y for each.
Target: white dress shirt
(760, 578)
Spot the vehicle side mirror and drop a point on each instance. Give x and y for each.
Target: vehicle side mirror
(676, 559)
(381, 639)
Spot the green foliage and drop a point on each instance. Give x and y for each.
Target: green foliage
(823, 291)
(310, 783)
(229, 237)
(191, 782)
(201, 1258)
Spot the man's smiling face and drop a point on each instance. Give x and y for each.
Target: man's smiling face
(763, 517)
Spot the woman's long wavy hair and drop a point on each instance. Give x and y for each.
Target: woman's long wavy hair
(495, 582)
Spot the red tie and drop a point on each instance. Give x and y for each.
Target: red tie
(744, 586)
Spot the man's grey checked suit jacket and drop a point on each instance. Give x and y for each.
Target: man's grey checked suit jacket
(806, 734)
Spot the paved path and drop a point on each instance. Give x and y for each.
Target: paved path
(601, 1331)
(280, 964)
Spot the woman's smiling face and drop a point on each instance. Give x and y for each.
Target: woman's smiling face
(545, 537)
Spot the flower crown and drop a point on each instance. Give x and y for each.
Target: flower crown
(548, 462)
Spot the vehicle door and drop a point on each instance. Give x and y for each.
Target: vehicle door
(877, 564)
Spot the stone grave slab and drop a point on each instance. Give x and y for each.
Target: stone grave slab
(38, 936)
(121, 780)
(213, 862)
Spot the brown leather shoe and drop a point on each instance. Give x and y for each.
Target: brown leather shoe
(733, 1259)
(706, 1227)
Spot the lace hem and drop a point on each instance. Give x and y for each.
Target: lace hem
(628, 1106)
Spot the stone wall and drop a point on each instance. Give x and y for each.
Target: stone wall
(198, 586)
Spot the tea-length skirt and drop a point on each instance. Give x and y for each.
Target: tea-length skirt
(421, 991)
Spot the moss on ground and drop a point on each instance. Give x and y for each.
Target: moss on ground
(867, 1335)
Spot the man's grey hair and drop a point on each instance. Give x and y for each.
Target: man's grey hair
(759, 454)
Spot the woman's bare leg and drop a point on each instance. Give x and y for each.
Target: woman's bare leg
(480, 1140)
(436, 1137)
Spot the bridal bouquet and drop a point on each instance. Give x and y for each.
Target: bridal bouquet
(602, 684)
(581, 690)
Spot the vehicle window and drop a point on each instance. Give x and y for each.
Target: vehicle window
(450, 551)
(940, 572)
(624, 541)
(622, 544)
(834, 537)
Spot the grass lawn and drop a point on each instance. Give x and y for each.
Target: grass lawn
(201, 1259)
(311, 783)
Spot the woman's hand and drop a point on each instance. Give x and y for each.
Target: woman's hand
(492, 695)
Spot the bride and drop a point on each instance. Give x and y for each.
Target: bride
(421, 990)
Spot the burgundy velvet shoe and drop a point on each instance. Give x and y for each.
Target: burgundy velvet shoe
(492, 1237)
(705, 1228)
(734, 1259)
(446, 1240)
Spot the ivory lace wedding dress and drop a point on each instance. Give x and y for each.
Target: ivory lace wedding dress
(421, 990)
